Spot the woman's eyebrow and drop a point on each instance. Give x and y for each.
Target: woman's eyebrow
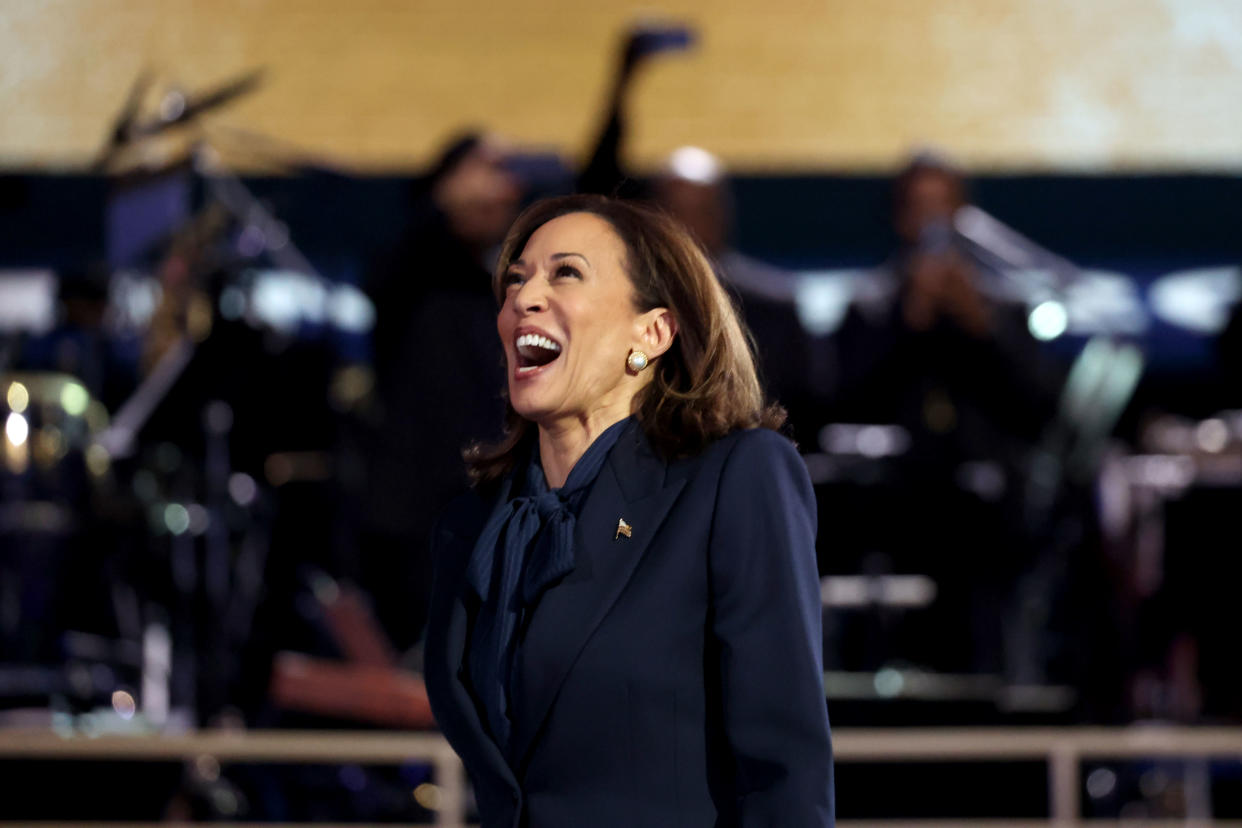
(557, 256)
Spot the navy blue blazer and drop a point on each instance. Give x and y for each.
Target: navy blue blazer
(674, 679)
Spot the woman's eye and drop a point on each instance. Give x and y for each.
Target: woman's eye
(568, 272)
(510, 279)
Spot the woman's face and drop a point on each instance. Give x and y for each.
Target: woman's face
(568, 323)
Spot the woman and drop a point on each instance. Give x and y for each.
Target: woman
(625, 623)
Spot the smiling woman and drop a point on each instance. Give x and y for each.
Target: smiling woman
(561, 320)
(624, 281)
(625, 623)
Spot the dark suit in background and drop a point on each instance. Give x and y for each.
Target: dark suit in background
(674, 677)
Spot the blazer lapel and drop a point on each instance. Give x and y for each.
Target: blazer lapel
(631, 486)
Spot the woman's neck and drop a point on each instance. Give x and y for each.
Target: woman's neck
(563, 442)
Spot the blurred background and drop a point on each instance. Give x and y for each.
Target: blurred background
(988, 251)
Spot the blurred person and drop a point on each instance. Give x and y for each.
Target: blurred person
(692, 186)
(931, 344)
(930, 340)
(625, 626)
(439, 369)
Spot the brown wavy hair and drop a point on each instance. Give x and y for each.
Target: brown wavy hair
(705, 385)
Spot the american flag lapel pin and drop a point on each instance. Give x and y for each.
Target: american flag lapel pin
(623, 528)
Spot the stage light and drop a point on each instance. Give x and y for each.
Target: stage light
(350, 310)
(242, 488)
(16, 429)
(695, 164)
(1048, 320)
(1101, 782)
(74, 399)
(176, 518)
(18, 398)
(889, 682)
(428, 795)
(1212, 435)
(124, 705)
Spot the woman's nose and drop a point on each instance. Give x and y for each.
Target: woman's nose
(532, 296)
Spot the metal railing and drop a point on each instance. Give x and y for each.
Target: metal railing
(1064, 749)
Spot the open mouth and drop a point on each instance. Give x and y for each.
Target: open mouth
(534, 351)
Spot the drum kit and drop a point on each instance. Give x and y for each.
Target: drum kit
(133, 542)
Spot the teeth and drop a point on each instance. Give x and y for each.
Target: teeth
(537, 341)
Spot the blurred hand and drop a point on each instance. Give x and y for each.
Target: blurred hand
(644, 40)
(961, 300)
(941, 286)
(922, 291)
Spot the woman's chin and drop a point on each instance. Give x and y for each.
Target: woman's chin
(530, 405)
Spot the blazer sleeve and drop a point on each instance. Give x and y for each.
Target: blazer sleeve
(767, 626)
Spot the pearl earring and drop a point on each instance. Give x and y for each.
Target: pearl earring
(636, 361)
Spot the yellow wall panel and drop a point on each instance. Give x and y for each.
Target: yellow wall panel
(771, 84)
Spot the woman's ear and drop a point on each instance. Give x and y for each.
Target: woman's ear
(656, 330)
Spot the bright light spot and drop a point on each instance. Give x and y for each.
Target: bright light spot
(124, 705)
(325, 589)
(865, 440)
(874, 441)
(823, 297)
(1167, 472)
(27, 298)
(695, 164)
(242, 488)
(350, 310)
(283, 299)
(200, 519)
(428, 795)
(1212, 435)
(909, 591)
(889, 682)
(1048, 320)
(18, 397)
(98, 460)
(1101, 782)
(176, 518)
(74, 399)
(1197, 300)
(1102, 301)
(16, 429)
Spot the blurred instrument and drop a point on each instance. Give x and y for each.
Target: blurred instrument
(176, 109)
(367, 686)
